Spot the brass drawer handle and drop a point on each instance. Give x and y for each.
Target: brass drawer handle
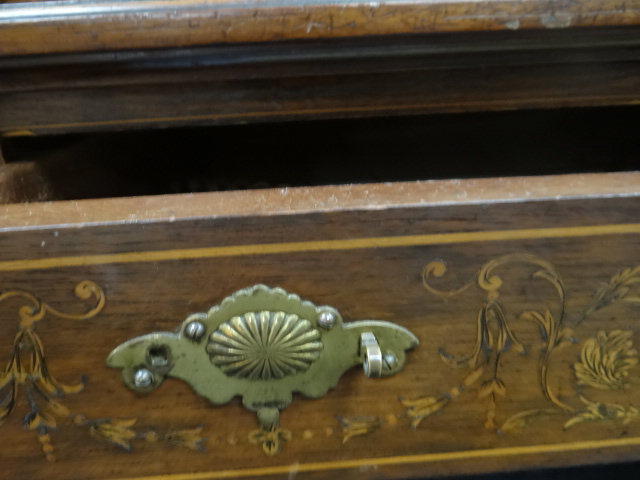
(263, 344)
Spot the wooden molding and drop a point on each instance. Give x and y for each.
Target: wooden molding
(54, 27)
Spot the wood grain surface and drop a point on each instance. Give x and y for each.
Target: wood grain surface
(101, 65)
(54, 27)
(334, 78)
(365, 252)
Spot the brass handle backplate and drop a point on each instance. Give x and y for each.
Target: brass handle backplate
(263, 344)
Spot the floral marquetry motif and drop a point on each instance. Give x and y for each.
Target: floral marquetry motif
(605, 361)
(27, 369)
(27, 374)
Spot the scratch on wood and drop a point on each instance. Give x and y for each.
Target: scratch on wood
(512, 25)
(556, 20)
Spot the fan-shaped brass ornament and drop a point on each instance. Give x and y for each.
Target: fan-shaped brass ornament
(264, 345)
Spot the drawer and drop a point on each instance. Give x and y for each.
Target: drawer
(393, 324)
(522, 293)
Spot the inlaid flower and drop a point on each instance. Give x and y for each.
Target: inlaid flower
(353, 427)
(264, 345)
(118, 431)
(606, 360)
(420, 408)
(189, 438)
(271, 439)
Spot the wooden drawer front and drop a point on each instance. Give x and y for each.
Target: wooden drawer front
(523, 293)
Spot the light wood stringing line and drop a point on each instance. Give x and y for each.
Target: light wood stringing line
(404, 459)
(320, 245)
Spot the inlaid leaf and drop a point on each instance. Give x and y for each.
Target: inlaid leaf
(520, 420)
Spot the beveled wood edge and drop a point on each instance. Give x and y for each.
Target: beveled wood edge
(300, 200)
(31, 28)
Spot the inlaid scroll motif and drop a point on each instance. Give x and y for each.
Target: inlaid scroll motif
(605, 362)
(27, 369)
(27, 374)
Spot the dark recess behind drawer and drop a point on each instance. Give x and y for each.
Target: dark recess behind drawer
(239, 157)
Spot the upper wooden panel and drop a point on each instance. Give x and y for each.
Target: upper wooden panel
(74, 26)
(79, 65)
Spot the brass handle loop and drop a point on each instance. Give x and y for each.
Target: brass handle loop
(371, 355)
